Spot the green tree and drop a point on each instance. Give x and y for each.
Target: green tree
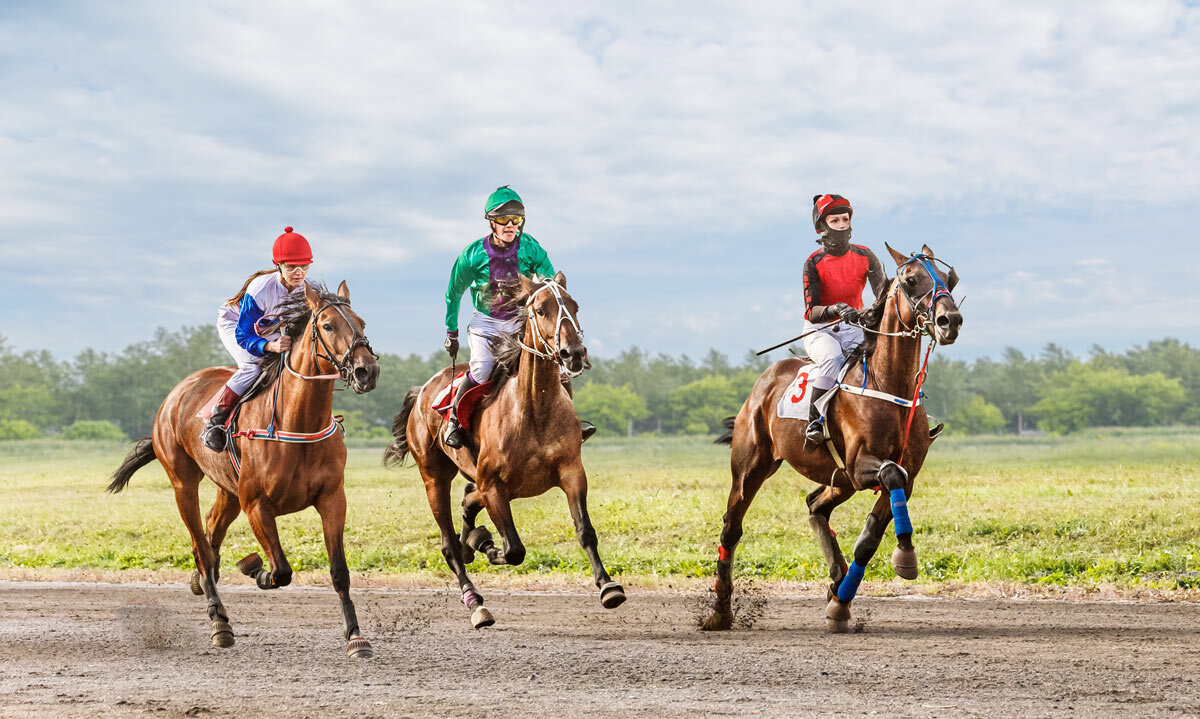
(705, 402)
(975, 416)
(17, 429)
(1088, 396)
(93, 429)
(610, 408)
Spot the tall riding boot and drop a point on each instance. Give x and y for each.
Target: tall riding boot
(455, 435)
(214, 435)
(816, 424)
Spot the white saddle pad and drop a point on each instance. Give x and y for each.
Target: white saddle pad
(794, 403)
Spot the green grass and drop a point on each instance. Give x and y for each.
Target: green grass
(1115, 507)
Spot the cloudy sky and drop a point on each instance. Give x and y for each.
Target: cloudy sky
(150, 153)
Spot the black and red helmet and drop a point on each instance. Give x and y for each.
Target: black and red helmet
(825, 205)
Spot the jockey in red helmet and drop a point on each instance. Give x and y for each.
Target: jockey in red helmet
(248, 327)
(834, 279)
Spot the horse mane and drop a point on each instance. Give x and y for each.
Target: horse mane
(871, 318)
(294, 315)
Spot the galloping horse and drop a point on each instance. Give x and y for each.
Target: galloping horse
(869, 424)
(528, 440)
(304, 467)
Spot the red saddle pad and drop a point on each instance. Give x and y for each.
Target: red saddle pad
(466, 408)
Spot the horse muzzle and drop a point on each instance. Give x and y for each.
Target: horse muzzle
(573, 358)
(363, 377)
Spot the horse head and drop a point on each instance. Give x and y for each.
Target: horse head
(926, 290)
(552, 316)
(337, 337)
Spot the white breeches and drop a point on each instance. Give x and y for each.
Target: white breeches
(828, 349)
(249, 366)
(481, 330)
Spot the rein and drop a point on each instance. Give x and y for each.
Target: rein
(563, 316)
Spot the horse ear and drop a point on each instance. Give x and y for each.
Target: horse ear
(899, 258)
(310, 296)
(344, 291)
(561, 280)
(926, 251)
(952, 280)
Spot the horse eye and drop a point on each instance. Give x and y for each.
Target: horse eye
(327, 327)
(539, 312)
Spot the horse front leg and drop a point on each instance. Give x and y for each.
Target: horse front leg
(900, 488)
(332, 508)
(498, 508)
(262, 521)
(574, 485)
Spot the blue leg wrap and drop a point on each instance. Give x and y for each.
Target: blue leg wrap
(849, 586)
(900, 518)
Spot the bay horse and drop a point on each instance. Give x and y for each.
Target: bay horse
(528, 439)
(868, 427)
(276, 477)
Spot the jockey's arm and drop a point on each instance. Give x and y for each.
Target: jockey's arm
(876, 275)
(246, 335)
(541, 261)
(461, 276)
(814, 311)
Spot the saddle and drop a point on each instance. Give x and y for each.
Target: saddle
(444, 400)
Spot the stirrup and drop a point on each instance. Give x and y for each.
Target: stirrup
(815, 432)
(214, 437)
(454, 436)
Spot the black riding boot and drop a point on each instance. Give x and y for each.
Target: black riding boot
(214, 435)
(816, 426)
(455, 435)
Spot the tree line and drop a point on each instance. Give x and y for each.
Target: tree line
(99, 394)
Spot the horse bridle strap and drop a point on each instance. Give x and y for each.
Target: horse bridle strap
(924, 317)
(563, 316)
(322, 350)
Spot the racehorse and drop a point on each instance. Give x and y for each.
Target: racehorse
(870, 422)
(528, 439)
(303, 467)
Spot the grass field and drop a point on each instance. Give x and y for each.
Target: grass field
(1118, 507)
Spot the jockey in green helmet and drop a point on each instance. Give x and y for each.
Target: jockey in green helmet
(488, 267)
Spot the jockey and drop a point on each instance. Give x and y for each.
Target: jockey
(834, 279)
(249, 327)
(490, 266)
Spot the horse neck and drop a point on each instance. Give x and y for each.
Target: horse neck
(896, 360)
(305, 405)
(537, 381)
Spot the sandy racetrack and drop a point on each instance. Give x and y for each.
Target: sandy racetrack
(88, 650)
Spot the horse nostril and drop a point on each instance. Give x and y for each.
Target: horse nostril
(943, 321)
(361, 375)
(564, 353)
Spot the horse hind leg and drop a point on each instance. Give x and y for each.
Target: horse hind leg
(185, 476)
(437, 491)
(262, 521)
(751, 463)
(472, 505)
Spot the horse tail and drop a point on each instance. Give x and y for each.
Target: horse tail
(394, 455)
(727, 436)
(138, 457)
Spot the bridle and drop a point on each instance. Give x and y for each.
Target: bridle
(554, 356)
(322, 350)
(924, 317)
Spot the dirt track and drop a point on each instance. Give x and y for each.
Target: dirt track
(105, 650)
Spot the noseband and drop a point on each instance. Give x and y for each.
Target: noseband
(554, 356)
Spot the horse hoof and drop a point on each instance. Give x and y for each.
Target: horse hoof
(480, 539)
(195, 585)
(612, 595)
(222, 634)
(837, 616)
(837, 626)
(481, 618)
(359, 648)
(904, 561)
(250, 564)
(718, 622)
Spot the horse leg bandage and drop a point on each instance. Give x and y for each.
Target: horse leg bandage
(849, 586)
(893, 477)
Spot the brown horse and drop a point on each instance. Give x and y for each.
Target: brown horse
(276, 477)
(868, 432)
(528, 439)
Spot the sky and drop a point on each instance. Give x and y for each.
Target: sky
(667, 153)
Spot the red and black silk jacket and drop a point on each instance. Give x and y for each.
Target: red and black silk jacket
(830, 279)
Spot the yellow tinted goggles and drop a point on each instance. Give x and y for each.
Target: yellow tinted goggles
(517, 220)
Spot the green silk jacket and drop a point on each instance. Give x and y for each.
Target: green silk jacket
(473, 269)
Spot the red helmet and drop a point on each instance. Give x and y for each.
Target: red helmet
(825, 205)
(291, 248)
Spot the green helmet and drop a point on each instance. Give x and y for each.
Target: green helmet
(504, 201)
